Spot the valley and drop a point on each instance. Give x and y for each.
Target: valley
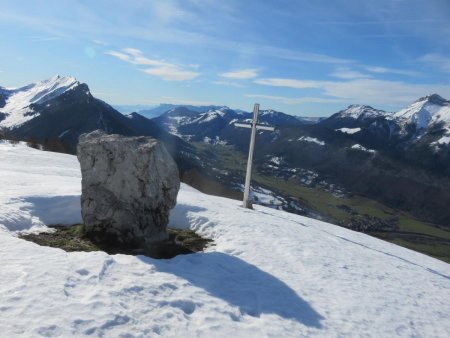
(321, 202)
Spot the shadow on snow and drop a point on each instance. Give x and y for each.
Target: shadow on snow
(241, 284)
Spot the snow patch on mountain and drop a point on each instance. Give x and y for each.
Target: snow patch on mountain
(276, 160)
(348, 130)
(209, 116)
(264, 197)
(443, 140)
(440, 143)
(360, 147)
(267, 198)
(18, 108)
(311, 140)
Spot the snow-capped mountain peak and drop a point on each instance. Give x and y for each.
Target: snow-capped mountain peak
(427, 110)
(17, 107)
(434, 98)
(356, 111)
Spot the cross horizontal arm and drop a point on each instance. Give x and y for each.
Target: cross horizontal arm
(264, 127)
(243, 125)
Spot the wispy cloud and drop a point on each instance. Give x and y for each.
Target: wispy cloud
(175, 100)
(367, 91)
(100, 42)
(348, 74)
(295, 100)
(435, 21)
(291, 83)
(162, 31)
(44, 38)
(241, 74)
(290, 54)
(171, 73)
(160, 68)
(384, 70)
(168, 11)
(119, 55)
(229, 83)
(438, 60)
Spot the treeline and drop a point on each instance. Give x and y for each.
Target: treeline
(48, 144)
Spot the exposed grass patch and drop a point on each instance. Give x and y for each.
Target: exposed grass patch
(73, 238)
(434, 247)
(412, 233)
(408, 231)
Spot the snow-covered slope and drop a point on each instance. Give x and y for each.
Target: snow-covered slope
(270, 274)
(18, 108)
(427, 110)
(356, 111)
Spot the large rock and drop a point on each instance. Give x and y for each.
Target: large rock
(129, 185)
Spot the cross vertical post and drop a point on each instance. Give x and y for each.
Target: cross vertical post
(254, 126)
(248, 176)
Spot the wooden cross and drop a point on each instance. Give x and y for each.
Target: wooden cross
(254, 126)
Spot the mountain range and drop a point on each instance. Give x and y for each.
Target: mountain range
(397, 158)
(423, 126)
(327, 168)
(55, 112)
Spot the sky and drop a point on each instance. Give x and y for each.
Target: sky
(310, 58)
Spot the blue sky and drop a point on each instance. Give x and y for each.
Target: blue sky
(301, 57)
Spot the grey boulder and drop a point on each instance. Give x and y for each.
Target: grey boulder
(129, 185)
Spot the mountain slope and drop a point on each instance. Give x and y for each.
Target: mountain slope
(427, 111)
(19, 104)
(270, 273)
(60, 109)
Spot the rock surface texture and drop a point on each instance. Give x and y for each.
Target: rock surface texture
(129, 185)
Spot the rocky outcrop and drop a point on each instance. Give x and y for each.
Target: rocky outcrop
(129, 185)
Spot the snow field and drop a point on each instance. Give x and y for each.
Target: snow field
(270, 273)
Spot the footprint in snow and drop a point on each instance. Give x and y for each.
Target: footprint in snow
(187, 306)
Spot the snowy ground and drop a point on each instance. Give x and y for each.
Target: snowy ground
(271, 274)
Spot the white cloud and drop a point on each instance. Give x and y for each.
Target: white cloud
(133, 51)
(291, 83)
(171, 73)
(100, 42)
(119, 55)
(241, 74)
(348, 74)
(228, 83)
(175, 100)
(44, 38)
(443, 62)
(367, 91)
(294, 100)
(160, 68)
(381, 91)
(384, 70)
(161, 29)
(289, 54)
(168, 11)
